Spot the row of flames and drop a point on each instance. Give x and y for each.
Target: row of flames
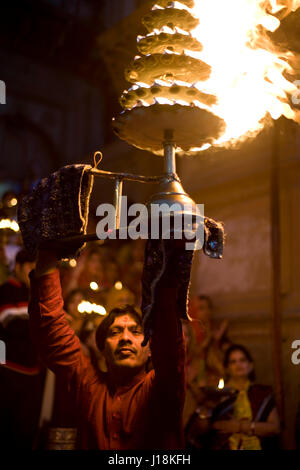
(247, 67)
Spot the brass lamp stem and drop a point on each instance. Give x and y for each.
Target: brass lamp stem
(169, 152)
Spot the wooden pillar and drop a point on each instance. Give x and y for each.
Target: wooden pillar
(276, 265)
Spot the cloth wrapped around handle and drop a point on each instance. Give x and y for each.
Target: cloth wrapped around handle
(57, 208)
(167, 263)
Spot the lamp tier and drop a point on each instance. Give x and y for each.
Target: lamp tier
(171, 17)
(144, 127)
(164, 94)
(142, 95)
(167, 3)
(168, 40)
(169, 67)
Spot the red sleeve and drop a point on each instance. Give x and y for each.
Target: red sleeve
(55, 340)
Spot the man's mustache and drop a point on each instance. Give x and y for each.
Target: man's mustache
(127, 348)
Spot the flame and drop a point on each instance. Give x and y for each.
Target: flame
(247, 67)
(13, 202)
(94, 285)
(8, 223)
(88, 307)
(221, 384)
(73, 263)
(118, 285)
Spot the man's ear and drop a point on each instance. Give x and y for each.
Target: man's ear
(147, 347)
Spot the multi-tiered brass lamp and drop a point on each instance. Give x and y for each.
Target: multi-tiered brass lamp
(165, 112)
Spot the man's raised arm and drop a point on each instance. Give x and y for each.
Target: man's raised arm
(167, 344)
(54, 339)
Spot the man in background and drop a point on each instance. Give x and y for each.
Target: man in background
(20, 377)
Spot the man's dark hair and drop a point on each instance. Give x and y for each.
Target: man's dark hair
(23, 257)
(102, 329)
(242, 349)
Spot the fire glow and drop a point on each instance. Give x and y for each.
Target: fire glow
(247, 68)
(11, 224)
(88, 307)
(221, 384)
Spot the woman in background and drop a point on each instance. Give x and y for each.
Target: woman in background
(245, 422)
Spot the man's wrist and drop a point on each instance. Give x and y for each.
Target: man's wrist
(46, 263)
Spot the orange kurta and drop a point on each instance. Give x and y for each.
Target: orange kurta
(145, 414)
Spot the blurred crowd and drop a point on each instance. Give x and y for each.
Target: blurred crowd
(37, 411)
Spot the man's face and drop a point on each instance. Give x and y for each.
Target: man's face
(123, 347)
(203, 310)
